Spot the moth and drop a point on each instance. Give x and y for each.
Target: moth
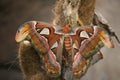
(61, 47)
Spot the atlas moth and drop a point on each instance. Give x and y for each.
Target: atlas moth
(60, 47)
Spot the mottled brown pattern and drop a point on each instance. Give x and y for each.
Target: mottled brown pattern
(30, 62)
(85, 12)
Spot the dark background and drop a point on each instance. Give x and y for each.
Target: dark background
(15, 12)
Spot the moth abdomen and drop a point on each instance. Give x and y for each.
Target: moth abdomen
(68, 43)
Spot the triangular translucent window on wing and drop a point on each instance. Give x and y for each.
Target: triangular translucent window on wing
(55, 45)
(84, 34)
(45, 31)
(75, 46)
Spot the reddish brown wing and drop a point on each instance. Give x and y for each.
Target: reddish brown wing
(52, 37)
(88, 48)
(95, 42)
(77, 39)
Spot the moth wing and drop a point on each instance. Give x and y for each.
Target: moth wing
(51, 37)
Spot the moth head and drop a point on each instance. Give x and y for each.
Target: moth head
(67, 29)
(22, 33)
(63, 30)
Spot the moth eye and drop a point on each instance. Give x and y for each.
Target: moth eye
(84, 34)
(54, 45)
(45, 31)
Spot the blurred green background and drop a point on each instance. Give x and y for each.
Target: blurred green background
(13, 13)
